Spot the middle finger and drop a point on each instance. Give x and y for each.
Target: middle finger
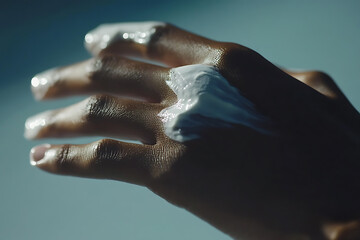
(105, 74)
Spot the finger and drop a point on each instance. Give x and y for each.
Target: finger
(319, 81)
(99, 115)
(325, 85)
(153, 40)
(105, 74)
(106, 158)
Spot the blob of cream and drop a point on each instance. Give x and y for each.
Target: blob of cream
(206, 101)
(106, 34)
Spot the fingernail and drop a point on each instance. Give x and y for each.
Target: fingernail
(37, 153)
(41, 82)
(34, 124)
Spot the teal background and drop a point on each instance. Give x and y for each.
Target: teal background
(36, 35)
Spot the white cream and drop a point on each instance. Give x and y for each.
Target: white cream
(206, 100)
(34, 124)
(106, 34)
(41, 82)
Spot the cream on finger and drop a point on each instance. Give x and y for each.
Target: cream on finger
(34, 124)
(63, 81)
(206, 100)
(106, 34)
(41, 82)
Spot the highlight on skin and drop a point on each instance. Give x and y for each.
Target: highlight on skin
(106, 34)
(34, 124)
(41, 82)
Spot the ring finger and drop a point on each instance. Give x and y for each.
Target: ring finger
(98, 115)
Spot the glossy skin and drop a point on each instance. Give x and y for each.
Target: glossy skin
(301, 184)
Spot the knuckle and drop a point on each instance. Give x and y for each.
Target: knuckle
(317, 79)
(159, 32)
(320, 76)
(102, 68)
(62, 161)
(98, 107)
(106, 153)
(234, 55)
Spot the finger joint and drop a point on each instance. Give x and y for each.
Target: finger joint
(99, 107)
(62, 160)
(106, 153)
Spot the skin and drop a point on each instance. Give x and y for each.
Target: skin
(301, 184)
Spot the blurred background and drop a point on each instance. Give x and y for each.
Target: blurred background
(37, 35)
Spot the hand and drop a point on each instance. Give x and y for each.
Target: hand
(297, 181)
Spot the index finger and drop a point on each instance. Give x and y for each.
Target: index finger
(157, 41)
